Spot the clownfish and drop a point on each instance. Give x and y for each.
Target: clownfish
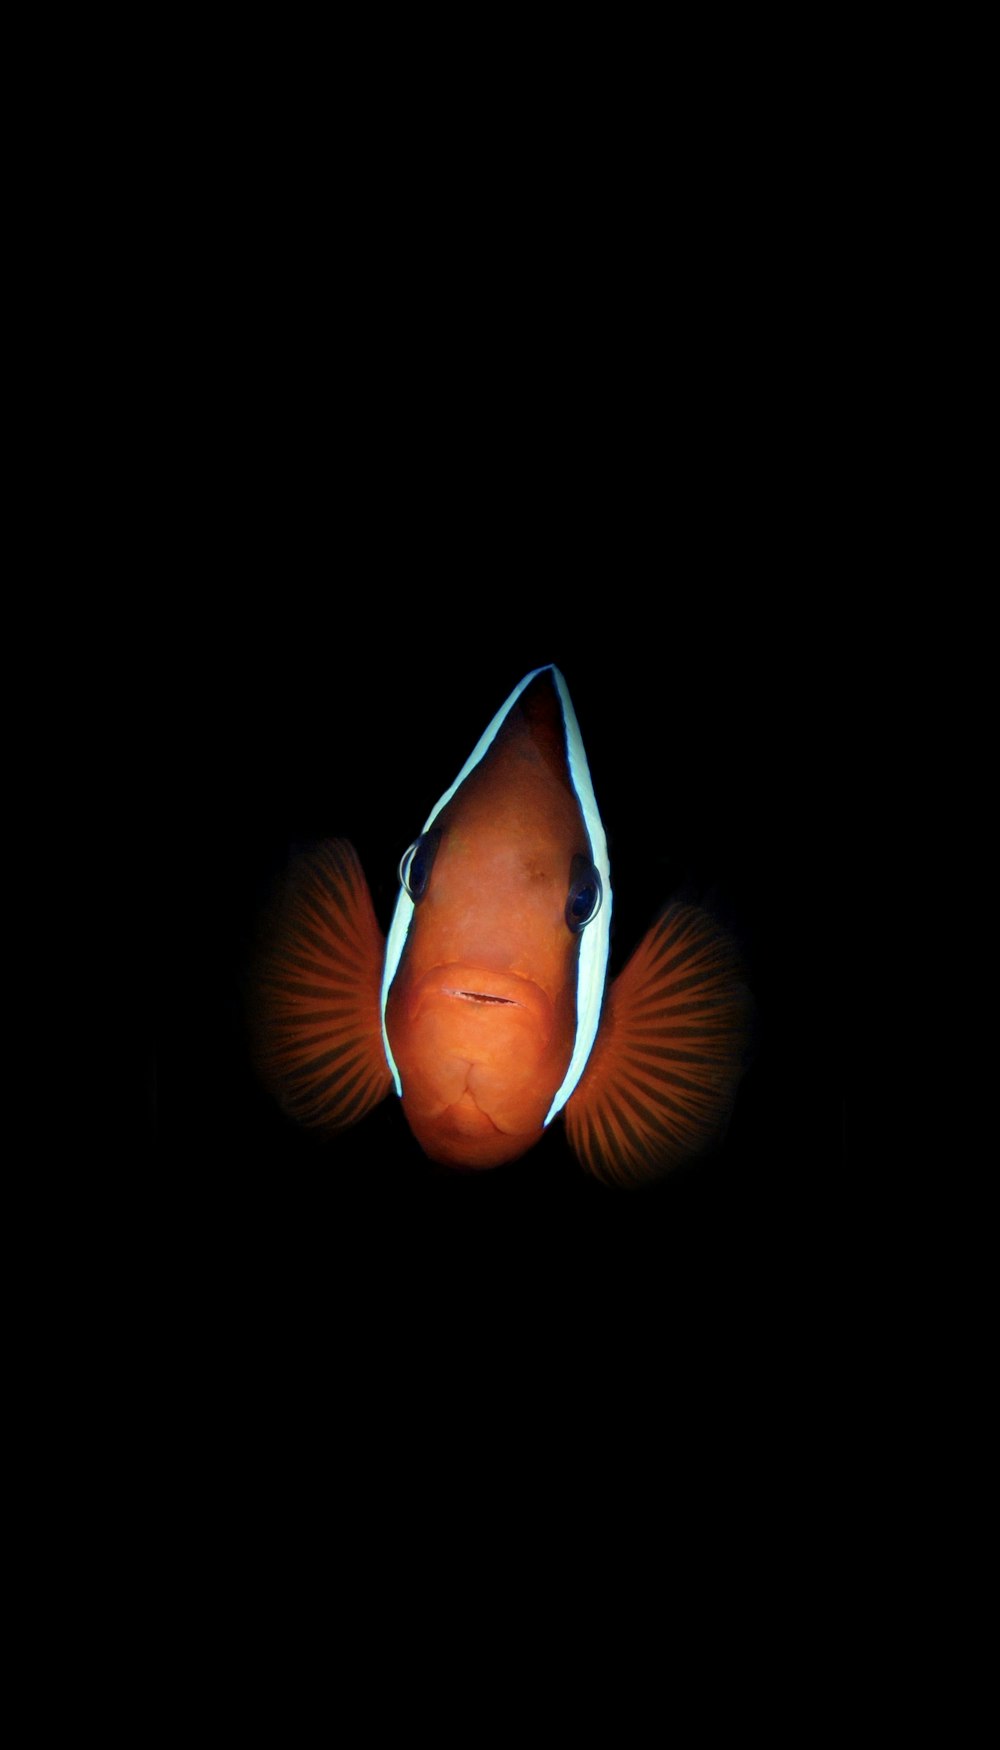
(488, 1008)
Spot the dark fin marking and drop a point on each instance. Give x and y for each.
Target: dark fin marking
(315, 1009)
(662, 1077)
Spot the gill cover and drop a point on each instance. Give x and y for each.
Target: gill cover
(588, 904)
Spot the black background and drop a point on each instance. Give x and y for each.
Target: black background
(367, 517)
(347, 711)
(402, 407)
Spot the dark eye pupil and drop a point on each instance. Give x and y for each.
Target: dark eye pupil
(416, 864)
(584, 899)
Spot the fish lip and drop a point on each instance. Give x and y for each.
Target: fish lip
(485, 989)
(481, 996)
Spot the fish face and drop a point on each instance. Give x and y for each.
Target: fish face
(480, 1054)
(481, 1015)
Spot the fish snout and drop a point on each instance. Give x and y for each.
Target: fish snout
(479, 1059)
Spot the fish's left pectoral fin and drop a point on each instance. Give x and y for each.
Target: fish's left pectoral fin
(314, 1008)
(662, 1077)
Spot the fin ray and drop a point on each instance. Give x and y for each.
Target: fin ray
(315, 1019)
(662, 1077)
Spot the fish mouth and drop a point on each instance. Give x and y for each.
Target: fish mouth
(481, 991)
(482, 987)
(472, 1050)
(480, 996)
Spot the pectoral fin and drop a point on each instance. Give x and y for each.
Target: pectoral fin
(661, 1079)
(315, 1004)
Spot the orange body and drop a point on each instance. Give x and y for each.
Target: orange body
(481, 1014)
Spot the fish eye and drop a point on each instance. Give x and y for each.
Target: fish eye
(585, 894)
(415, 864)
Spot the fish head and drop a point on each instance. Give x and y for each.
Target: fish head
(481, 1010)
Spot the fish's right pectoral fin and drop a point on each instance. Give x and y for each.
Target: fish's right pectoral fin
(314, 1000)
(662, 1077)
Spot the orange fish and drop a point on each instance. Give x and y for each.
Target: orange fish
(488, 1007)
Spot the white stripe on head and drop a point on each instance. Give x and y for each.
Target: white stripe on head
(595, 939)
